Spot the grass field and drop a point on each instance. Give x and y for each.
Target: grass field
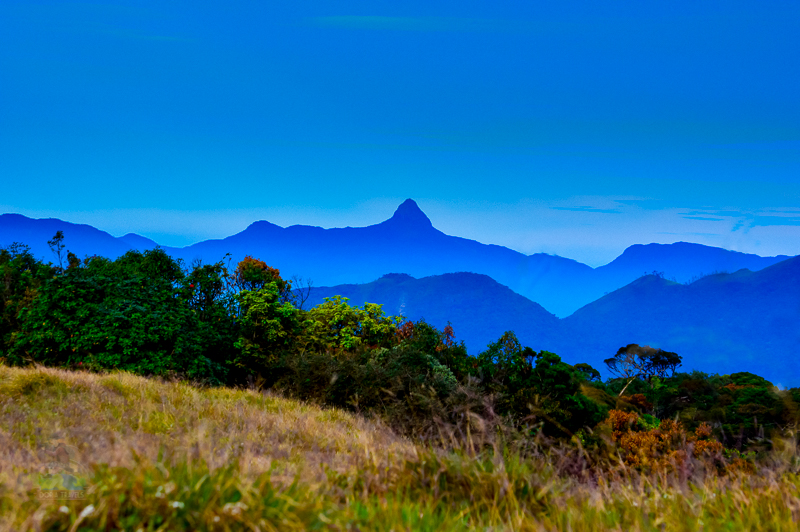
(170, 456)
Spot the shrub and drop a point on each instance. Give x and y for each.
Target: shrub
(536, 387)
(268, 329)
(404, 385)
(337, 326)
(440, 344)
(662, 447)
(21, 277)
(118, 316)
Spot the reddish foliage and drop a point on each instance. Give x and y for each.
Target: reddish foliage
(621, 421)
(639, 400)
(731, 386)
(662, 447)
(253, 274)
(449, 334)
(405, 331)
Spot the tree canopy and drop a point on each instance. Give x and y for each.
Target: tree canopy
(643, 362)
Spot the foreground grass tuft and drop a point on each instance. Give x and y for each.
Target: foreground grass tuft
(172, 456)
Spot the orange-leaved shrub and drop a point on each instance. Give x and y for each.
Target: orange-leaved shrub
(662, 447)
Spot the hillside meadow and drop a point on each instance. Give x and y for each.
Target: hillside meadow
(163, 455)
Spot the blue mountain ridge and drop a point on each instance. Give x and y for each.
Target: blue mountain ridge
(407, 242)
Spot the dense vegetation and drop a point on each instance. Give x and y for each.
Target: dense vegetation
(541, 436)
(217, 325)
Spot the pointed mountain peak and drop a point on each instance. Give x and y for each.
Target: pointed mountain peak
(408, 214)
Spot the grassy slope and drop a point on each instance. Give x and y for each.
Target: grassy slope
(170, 456)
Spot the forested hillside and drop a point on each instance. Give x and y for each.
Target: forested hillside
(479, 308)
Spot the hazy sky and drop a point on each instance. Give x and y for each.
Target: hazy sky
(574, 128)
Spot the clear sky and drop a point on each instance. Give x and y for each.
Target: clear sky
(573, 128)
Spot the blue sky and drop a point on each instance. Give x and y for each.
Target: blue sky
(577, 128)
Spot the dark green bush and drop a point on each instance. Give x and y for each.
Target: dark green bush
(404, 385)
(536, 387)
(21, 276)
(131, 314)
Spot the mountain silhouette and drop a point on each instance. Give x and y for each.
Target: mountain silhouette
(408, 217)
(83, 240)
(408, 243)
(741, 321)
(138, 242)
(681, 260)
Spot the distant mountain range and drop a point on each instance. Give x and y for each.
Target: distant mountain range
(743, 321)
(723, 323)
(81, 239)
(407, 243)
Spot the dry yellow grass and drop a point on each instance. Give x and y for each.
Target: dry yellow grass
(112, 418)
(171, 456)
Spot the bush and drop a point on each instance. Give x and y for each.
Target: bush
(268, 329)
(404, 385)
(118, 315)
(21, 277)
(425, 337)
(536, 387)
(661, 447)
(335, 325)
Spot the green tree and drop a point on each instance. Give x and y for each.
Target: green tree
(337, 326)
(253, 274)
(21, 276)
(207, 287)
(441, 345)
(268, 329)
(642, 362)
(118, 315)
(57, 247)
(153, 264)
(536, 386)
(587, 372)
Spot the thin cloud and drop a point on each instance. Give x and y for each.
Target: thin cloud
(714, 212)
(586, 208)
(784, 211)
(763, 221)
(125, 34)
(766, 220)
(420, 23)
(714, 235)
(704, 218)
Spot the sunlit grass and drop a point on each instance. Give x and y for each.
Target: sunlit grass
(171, 456)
